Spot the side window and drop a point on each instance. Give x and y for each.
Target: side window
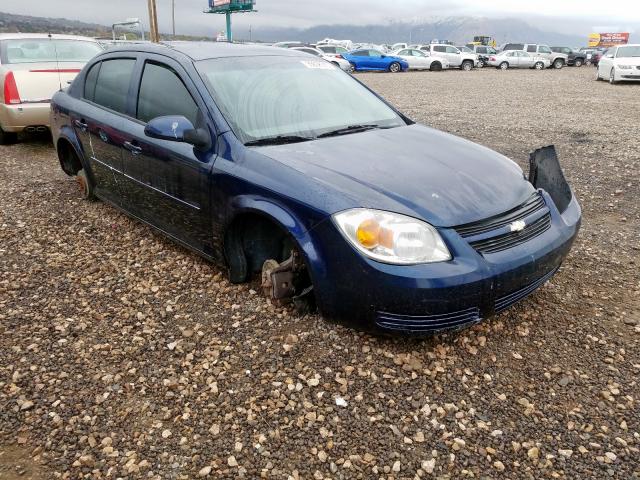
(374, 53)
(340, 50)
(531, 48)
(90, 82)
(481, 50)
(544, 50)
(452, 50)
(361, 53)
(112, 85)
(163, 93)
(439, 48)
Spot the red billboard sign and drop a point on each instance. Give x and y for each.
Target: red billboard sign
(608, 39)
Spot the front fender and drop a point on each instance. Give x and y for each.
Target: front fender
(288, 221)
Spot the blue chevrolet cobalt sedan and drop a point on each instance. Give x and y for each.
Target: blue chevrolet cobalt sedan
(290, 172)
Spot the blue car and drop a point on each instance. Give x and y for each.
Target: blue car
(374, 60)
(328, 196)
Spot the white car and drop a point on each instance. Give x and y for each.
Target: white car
(456, 58)
(518, 59)
(419, 60)
(620, 64)
(337, 60)
(33, 66)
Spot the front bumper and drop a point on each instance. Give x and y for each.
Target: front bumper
(425, 299)
(15, 118)
(628, 74)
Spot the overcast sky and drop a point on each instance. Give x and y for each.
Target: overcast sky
(581, 16)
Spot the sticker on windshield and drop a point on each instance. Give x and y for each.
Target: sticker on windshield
(318, 64)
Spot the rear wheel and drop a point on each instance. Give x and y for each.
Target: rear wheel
(539, 66)
(503, 66)
(558, 63)
(578, 62)
(395, 67)
(467, 65)
(7, 138)
(435, 67)
(86, 187)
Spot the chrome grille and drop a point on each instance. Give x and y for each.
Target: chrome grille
(511, 239)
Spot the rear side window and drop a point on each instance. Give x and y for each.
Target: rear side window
(163, 93)
(438, 48)
(361, 53)
(514, 46)
(112, 85)
(90, 82)
(544, 50)
(531, 48)
(481, 50)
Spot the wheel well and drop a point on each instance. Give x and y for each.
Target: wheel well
(69, 160)
(250, 240)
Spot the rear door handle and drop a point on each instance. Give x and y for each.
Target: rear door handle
(134, 149)
(81, 125)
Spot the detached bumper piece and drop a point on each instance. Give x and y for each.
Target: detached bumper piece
(545, 173)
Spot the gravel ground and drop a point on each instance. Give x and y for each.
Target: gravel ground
(126, 356)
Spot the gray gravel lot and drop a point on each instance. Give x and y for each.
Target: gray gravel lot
(126, 356)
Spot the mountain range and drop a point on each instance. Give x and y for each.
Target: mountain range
(456, 29)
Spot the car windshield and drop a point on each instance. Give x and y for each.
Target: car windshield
(627, 52)
(279, 96)
(36, 50)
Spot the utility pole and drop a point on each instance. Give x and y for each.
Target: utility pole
(153, 21)
(173, 16)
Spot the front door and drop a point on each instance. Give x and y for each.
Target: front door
(168, 181)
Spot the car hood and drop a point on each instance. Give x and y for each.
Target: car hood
(414, 170)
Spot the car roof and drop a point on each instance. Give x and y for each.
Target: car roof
(197, 51)
(18, 36)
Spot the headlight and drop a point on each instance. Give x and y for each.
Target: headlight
(625, 67)
(391, 237)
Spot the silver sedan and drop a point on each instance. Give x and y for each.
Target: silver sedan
(518, 59)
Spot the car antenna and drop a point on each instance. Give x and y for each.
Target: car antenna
(55, 49)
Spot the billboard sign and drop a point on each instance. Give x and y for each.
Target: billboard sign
(216, 6)
(608, 39)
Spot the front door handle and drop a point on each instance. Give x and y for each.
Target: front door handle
(81, 125)
(134, 149)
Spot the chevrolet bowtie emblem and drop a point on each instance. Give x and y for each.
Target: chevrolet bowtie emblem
(517, 226)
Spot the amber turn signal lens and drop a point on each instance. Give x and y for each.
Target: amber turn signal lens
(368, 233)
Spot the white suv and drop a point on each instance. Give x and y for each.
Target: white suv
(456, 58)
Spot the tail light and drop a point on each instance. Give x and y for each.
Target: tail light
(339, 56)
(11, 95)
(492, 59)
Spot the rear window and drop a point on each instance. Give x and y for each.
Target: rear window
(112, 85)
(37, 50)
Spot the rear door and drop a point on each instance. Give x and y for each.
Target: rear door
(454, 56)
(167, 181)
(99, 122)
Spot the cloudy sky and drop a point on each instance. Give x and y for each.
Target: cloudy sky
(573, 16)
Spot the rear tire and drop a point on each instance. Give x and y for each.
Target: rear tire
(86, 187)
(503, 66)
(436, 67)
(395, 67)
(558, 63)
(481, 63)
(539, 66)
(7, 138)
(578, 62)
(467, 65)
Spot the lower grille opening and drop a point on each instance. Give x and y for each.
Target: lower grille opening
(428, 323)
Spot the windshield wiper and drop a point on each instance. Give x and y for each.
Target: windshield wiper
(349, 129)
(278, 140)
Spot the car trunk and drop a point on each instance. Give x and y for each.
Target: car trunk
(37, 82)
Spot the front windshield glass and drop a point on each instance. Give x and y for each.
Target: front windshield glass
(37, 50)
(269, 96)
(627, 52)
